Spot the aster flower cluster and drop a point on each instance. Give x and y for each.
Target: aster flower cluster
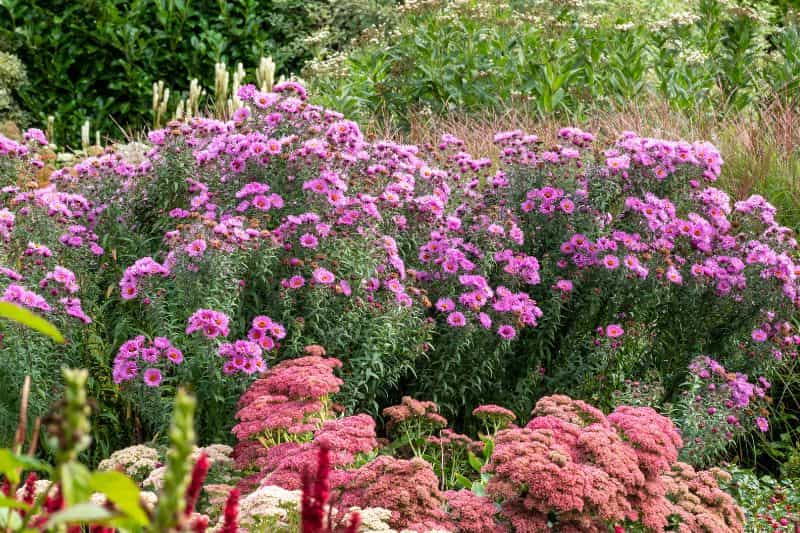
(719, 406)
(210, 323)
(302, 186)
(142, 269)
(140, 351)
(591, 471)
(245, 355)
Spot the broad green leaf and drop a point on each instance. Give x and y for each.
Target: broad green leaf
(79, 513)
(32, 320)
(11, 464)
(75, 483)
(463, 482)
(122, 491)
(474, 462)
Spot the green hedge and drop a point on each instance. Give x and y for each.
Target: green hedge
(97, 59)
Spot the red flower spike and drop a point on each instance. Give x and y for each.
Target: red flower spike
(315, 494)
(231, 514)
(30, 489)
(199, 473)
(355, 521)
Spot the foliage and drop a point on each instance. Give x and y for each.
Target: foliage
(12, 75)
(143, 41)
(768, 503)
(569, 60)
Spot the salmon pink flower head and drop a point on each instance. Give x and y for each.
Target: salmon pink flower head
(614, 330)
(212, 323)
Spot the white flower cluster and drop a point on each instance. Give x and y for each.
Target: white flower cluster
(134, 460)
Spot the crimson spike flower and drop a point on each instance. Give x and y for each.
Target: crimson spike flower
(199, 473)
(315, 494)
(230, 523)
(30, 489)
(355, 521)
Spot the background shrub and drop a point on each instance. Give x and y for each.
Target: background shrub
(97, 60)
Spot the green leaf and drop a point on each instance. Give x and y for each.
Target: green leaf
(6, 502)
(75, 483)
(474, 462)
(32, 320)
(12, 464)
(463, 481)
(122, 491)
(79, 513)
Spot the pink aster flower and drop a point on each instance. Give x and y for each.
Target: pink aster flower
(196, 248)
(152, 377)
(611, 262)
(307, 240)
(614, 330)
(506, 331)
(759, 335)
(445, 305)
(456, 319)
(323, 276)
(564, 285)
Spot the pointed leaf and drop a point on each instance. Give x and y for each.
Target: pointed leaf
(120, 490)
(32, 320)
(79, 513)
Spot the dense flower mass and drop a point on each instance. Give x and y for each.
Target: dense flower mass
(589, 471)
(431, 273)
(140, 352)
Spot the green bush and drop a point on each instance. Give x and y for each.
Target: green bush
(98, 59)
(565, 60)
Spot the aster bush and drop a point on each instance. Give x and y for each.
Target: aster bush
(560, 266)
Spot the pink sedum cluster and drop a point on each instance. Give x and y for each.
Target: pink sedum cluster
(591, 471)
(288, 402)
(409, 488)
(284, 418)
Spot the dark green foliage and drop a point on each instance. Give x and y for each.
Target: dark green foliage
(98, 59)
